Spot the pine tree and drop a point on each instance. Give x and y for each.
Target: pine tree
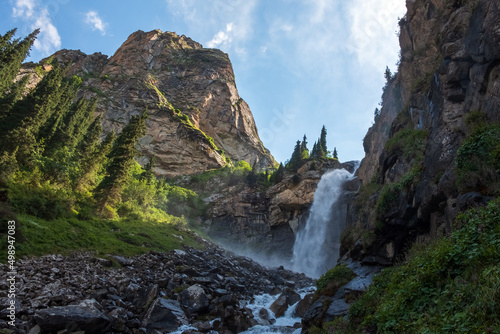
(89, 144)
(12, 55)
(15, 93)
(304, 152)
(20, 127)
(148, 173)
(296, 156)
(92, 164)
(69, 89)
(73, 127)
(388, 75)
(335, 155)
(303, 145)
(320, 152)
(322, 140)
(122, 158)
(280, 174)
(314, 152)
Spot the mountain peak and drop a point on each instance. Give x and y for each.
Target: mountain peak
(197, 120)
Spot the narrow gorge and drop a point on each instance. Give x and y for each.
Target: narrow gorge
(146, 202)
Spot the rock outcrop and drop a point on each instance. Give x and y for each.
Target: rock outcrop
(447, 79)
(197, 120)
(262, 222)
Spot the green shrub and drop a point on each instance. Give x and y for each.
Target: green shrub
(477, 163)
(410, 141)
(333, 279)
(388, 199)
(29, 194)
(452, 285)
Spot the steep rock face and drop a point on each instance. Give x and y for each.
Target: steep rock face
(450, 57)
(263, 222)
(196, 116)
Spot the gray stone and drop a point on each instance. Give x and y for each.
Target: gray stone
(194, 299)
(164, 315)
(85, 316)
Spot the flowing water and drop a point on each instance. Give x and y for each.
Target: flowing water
(316, 249)
(284, 324)
(317, 245)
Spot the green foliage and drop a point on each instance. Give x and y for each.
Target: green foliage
(8, 166)
(122, 159)
(126, 237)
(452, 285)
(411, 142)
(477, 163)
(278, 175)
(423, 84)
(51, 161)
(322, 141)
(339, 325)
(333, 279)
(30, 194)
(12, 54)
(388, 199)
(183, 202)
(296, 158)
(233, 173)
(335, 154)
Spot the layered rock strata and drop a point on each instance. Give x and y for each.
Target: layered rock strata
(197, 120)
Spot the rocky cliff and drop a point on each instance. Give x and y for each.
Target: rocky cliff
(423, 160)
(197, 120)
(263, 221)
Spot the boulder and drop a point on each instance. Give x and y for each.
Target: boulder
(286, 299)
(194, 299)
(303, 305)
(164, 315)
(85, 316)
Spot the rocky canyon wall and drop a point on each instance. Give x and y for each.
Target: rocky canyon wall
(448, 78)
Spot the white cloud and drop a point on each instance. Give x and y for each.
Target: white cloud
(224, 24)
(23, 8)
(49, 40)
(223, 37)
(96, 23)
(373, 31)
(37, 16)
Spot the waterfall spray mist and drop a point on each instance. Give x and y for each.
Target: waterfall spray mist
(316, 247)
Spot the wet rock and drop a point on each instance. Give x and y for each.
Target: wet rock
(286, 299)
(303, 305)
(86, 316)
(337, 308)
(194, 299)
(314, 314)
(164, 315)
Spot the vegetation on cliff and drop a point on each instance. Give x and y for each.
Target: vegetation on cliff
(67, 188)
(319, 152)
(451, 285)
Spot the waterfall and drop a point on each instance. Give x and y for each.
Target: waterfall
(316, 247)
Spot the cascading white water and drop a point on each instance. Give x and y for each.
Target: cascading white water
(317, 245)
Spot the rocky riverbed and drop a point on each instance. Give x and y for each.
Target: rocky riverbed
(191, 290)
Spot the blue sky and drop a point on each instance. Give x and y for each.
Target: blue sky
(300, 64)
